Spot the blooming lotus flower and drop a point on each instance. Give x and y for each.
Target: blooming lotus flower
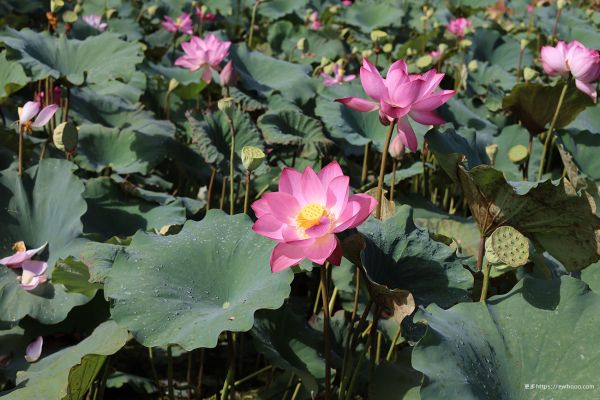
(313, 18)
(21, 255)
(182, 24)
(400, 96)
(205, 54)
(33, 274)
(458, 26)
(95, 21)
(30, 110)
(204, 15)
(34, 349)
(338, 77)
(307, 212)
(576, 59)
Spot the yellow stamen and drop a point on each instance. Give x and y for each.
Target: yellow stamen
(310, 215)
(19, 247)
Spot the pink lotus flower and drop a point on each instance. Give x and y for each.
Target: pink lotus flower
(21, 255)
(182, 24)
(30, 110)
(347, 2)
(396, 148)
(95, 21)
(435, 55)
(227, 75)
(204, 15)
(338, 77)
(34, 350)
(205, 54)
(313, 18)
(576, 59)
(458, 26)
(399, 96)
(530, 8)
(307, 212)
(33, 274)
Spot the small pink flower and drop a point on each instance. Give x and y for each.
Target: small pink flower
(33, 274)
(227, 75)
(346, 2)
(576, 59)
(205, 54)
(34, 350)
(182, 24)
(396, 148)
(458, 26)
(307, 212)
(530, 8)
(338, 77)
(399, 96)
(204, 15)
(313, 18)
(30, 110)
(95, 21)
(435, 55)
(20, 256)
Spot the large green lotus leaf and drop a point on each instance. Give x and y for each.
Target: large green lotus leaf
(591, 276)
(111, 212)
(372, 14)
(287, 341)
(74, 275)
(188, 288)
(395, 381)
(534, 105)
(455, 148)
(12, 76)
(463, 231)
(124, 151)
(211, 137)
(295, 129)
(542, 332)
(275, 9)
(93, 60)
(44, 205)
(13, 342)
(400, 255)
(68, 374)
(342, 122)
(266, 75)
(583, 146)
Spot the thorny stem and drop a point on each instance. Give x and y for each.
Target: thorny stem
(247, 194)
(551, 129)
(386, 146)
(326, 333)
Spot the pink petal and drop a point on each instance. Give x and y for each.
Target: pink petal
(321, 249)
(337, 194)
(29, 110)
(406, 94)
(283, 206)
(373, 84)
(587, 88)
(269, 227)
(357, 210)
(34, 349)
(16, 259)
(553, 61)
(35, 267)
(358, 104)
(261, 207)
(285, 256)
(207, 75)
(407, 134)
(312, 189)
(329, 172)
(433, 101)
(290, 181)
(336, 256)
(393, 112)
(45, 115)
(426, 117)
(320, 229)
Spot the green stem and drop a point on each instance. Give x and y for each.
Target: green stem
(393, 183)
(211, 183)
(231, 158)
(486, 282)
(252, 375)
(252, 21)
(230, 378)
(296, 391)
(170, 373)
(153, 369)
(355, 374)
(20, 150)
(386, 147)
(550, 129)
(99, 395)
(363, 175)
(326, 331)
(247, 194)
(393, 345)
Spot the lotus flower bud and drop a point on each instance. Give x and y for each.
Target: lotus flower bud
(491, 150)
(518, 154)
(560, 4)
(65, 137)
(529, 74)
(227, 75)
(252, 157)
(173, 83)
(387, 48)
(227, 105)
(396, 148)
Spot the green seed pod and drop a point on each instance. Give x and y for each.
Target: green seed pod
(491, 150)
(518, 154)
(424, 61)
(227, 105)
(377, 35)
(69, 17)
(508, 246)
(65, 137)
(252, 157)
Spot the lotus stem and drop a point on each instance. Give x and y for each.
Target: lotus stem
(317, 298)
(230, 378)
(363, 175)
(252, 21)
(356, 295)
(555, 26)
(326, 333)
(373, 353)
(390, 352)
(247, 194)
(332, 300)
(547, 140)
(223, 187)
(231, 159)
(355, 373)
(200, 375)
(393, 183)
(296, 390)
(486, 282)
(386, 147)
(21, 130)
(211, 183)
(253, 375)
(99, 395)
(153, 369)
(170, 373)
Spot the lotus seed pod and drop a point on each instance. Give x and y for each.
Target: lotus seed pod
(518, 154)
(302, 44)
(227, 105)
(388, 48)
(65, 137)
(509, 245)
(491, 150)
(424, 61)
(472, 65)
(529, 74)
(252, 157)
(377, 35)
(490, 256)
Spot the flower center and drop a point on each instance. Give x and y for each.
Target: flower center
(19, 247)
(310, 215)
